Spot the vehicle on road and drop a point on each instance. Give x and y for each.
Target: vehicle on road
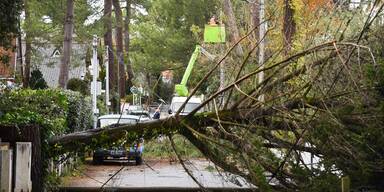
(189, 107)
(139, 111)
(119, 152)
(181, 90)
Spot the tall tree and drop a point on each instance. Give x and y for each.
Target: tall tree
(231, 24)
(167, 38)
(289, 25)
(9, 17)
(119, 46)
(108, 42)
(67, 45)
(127, 41)
(28, 45)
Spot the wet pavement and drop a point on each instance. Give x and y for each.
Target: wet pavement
(153, 174)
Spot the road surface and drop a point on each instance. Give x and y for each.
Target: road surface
(153, 175)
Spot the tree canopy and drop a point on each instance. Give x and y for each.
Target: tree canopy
(9, 20)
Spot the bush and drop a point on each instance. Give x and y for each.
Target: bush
(56, 110)
(37, 81)
(79, 117)
(79, 85)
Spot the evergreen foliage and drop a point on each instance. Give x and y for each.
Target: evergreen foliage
(79, 85)
(165, 35)
(58, 111)
(9, 20)
(37, 80)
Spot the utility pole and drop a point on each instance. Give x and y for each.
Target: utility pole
(262, 31)
(107, 102)
(94, 87)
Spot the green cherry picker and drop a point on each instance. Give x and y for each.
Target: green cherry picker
(213, 33)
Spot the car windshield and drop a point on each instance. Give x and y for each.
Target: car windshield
(187, 109)
(110, 121)
(135, 108)
(138, 113)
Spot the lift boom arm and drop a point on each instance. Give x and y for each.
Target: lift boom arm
(181, 89)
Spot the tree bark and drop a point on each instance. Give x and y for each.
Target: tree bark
(73, 141)
(67, 45)
(127, 42)
(28, 48)
(108, 42)
(20, 54)
(230, 21)
(119, 47)
(289, 26)
(255, 19)
(111, 59)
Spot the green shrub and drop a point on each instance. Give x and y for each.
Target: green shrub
(57, 110)
(47, 108)
(79, 85)
(128, 98)
(37, 80)
(79, 115)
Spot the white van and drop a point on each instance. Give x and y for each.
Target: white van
(107, 120)
(189, 107)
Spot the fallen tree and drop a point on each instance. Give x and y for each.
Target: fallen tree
(324, 102)
(240, 139)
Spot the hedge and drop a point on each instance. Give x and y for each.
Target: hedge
(56, 110)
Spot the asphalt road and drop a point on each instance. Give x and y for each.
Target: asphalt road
(154, 175)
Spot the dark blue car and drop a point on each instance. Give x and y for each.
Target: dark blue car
(119, 152)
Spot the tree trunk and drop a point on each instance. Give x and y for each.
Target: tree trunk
(261, 53)
(255, 19)
(28, 48)
(67, 47)
(230, 21)
(20, 54)
(73, 141)
(127, 42)
(111, 59)
(289, 26)
(119, 47)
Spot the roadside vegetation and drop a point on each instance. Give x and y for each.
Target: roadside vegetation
(44, 113)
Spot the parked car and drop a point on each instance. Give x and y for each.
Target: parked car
(139, 111)
(189, 107)
(119, 152)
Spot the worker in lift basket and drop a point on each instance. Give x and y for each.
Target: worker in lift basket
(156, 115)
(213, 21)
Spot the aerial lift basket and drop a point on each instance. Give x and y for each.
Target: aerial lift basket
(214, 34)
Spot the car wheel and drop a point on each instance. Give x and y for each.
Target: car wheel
(97, 160)
(139, 160)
